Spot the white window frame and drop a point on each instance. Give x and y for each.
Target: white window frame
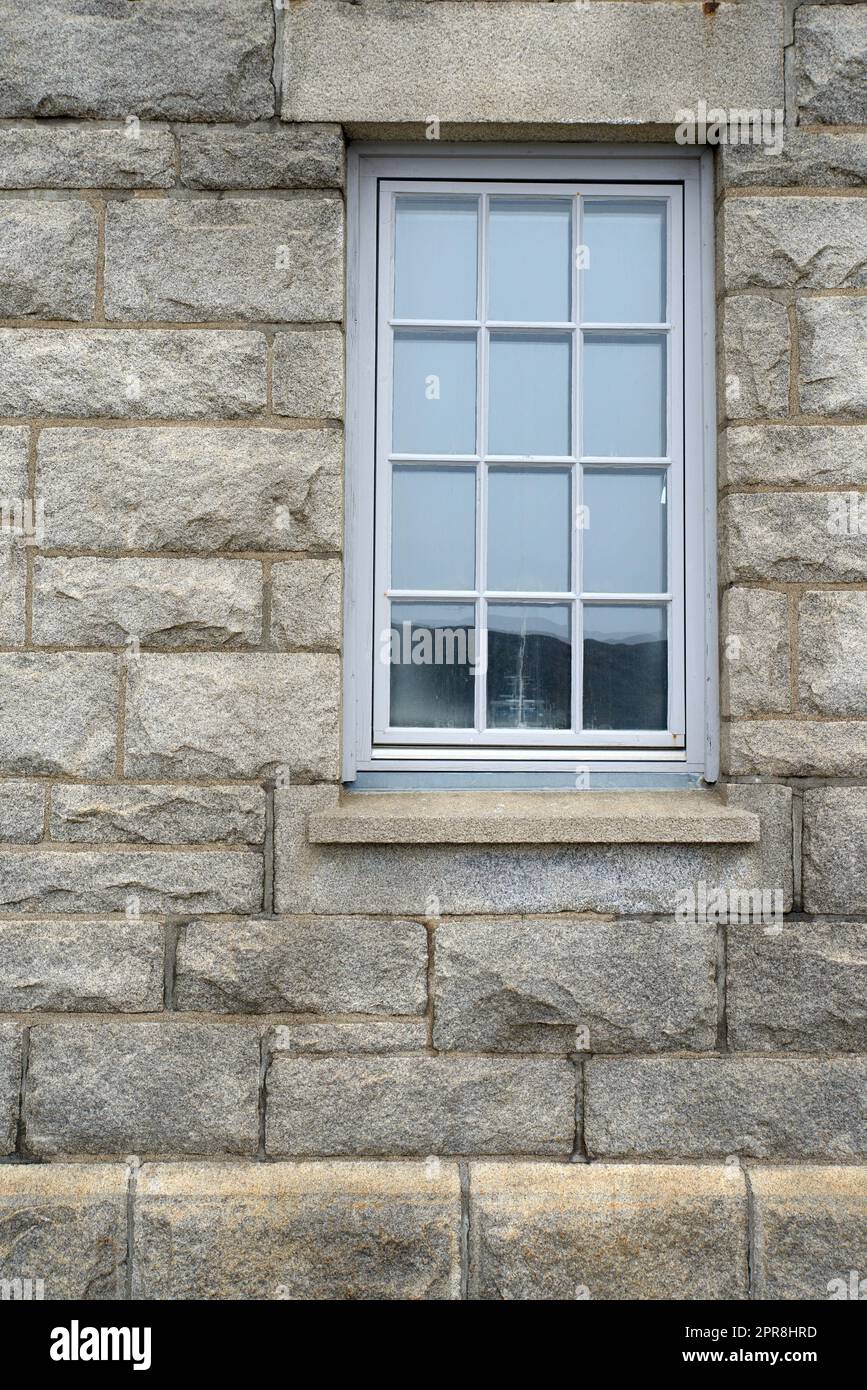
(685, 176)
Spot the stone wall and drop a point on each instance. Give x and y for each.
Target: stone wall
(238, 1062)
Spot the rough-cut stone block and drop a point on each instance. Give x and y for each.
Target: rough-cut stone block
(809, 159)
(48, 251)
(193, 490)
(553, 985)
(307, 1231)
(801, 986)
(156, 58)
(835, 846)
(792, 537)
(22, 811)
(188, 1088)
(795, 747)
(306, 604)
(158, 603)
(172, 814)
(832, 378)
(195, 260)
(832, 652)
(773, 806)
(308, 373)
(831, 64)
(821, 455)
(333, 965)
(755, 670)
(18, 512)
(58, 712)
(395, 1035)
(299, 156)
(131, 373)
(420, 1105)
(799, 243)
(64, 1224)
(697, 1107)
(137, 156)
(10, 1082)
(607, 1231)
(810, 1232)
(756, 342)
(233, 715)
(130, 881)
(83, 967)
(13, 582)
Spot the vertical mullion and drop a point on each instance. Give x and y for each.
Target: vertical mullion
(481, 652)
(578, 487)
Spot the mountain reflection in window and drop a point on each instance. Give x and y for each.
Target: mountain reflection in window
(432, 656)
(529, 666)
(625, 667)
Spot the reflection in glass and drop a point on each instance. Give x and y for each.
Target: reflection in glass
(435, 258)
(432, 653)
(434, 393)
(530, 381)
(624, 279)
(529, 529)
(624, 395)
(625, 666)
(433, 527)
(626, 536)
(529, 666)
(530, 260)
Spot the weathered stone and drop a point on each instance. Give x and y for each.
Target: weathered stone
(22, 811)
(48, 250)
(835, 845)
(755, 671)
(552, 985)
(832, 378)
(130, 881)
(64, 1225)
(298, 156)
(131, 373)
(172, 814)
(156, 58)
(792, 537)
(47, 156)
(158, 603)
(17, 513)
(607, 1231)
(298, 1231)
(756, 340)
(339, 965)
(809, 1232)
(193, 490)
(13, 582)
(776, 243)
(10, 1083)
(831, 64)
(773, 805)
(655, 1107)
(308, 373)
(832, 652)
(809, 159)
(800, 986)
(58, 712)
(420, 1105)
(306, 604)
(13, 462)
(821, 455)
(233, 715)
(795, 748)
(395, 1035)
(84, 967)
(277, 259)
(188, 1088)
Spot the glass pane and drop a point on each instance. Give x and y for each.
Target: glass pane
(432, 656)
(623, 280)
(433, 527)
(530, 379)
(625, 666)
(626, 531)
(435, 258)
(530, 260)
(529, 666)
(529, 529)
(434, 393)
(624, 395)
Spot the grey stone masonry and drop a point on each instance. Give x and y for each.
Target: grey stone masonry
(299, 156)
(306, 604)
(809, 1232)
(756, 348)
(795, 747)
(832, 652)
(793, 537)
(381, 1037)
(821, 455)
(835, 849)
(170, 814)
(801, 243)
(833, 362)
(58, 713)
(57, 156)
(22, 812)
(831, 64)
(755, 670)
(48, 251)
(82, 967)
(10, 1084)
(811, 159)
(308, 373)
(121, 880)
(66, 1226)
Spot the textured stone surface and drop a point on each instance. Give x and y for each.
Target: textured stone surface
(84, 967)
(795, 747)
(755, 675)
(776, 243)
(308, 373)
(333, 965)
(278, 259)
(234, 715)
(553, 985)
(307, 1231)
(10, 1081)
(566, 1231)
(299, 156)
(306, 604)
(21, 812)
(831, 64)
(188, 1088)
(756, 344)
(653, 1107)
(129, 880)
(773, 806)
(821, 455)
(161, 603)
(48, 257)
(192, 489)
(420, 1105)
(809, 1226)
(13, 571)
(16, 510)
(172, 58)
(45, 156)
(832, 652)
(172, 814)
(810, 159)
(835, 848)
(832, 378)
(397, 1035)
(130, 374)
(58, 713)
(792, 537)
(65, 1224)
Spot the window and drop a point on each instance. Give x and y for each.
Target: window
(530, 399)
